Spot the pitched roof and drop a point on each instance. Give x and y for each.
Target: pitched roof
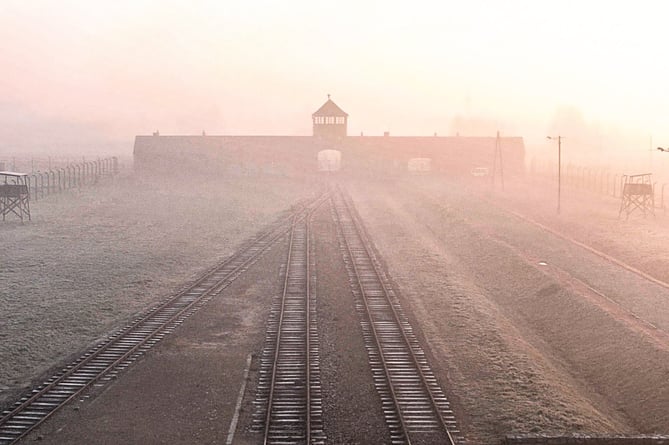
(330, 108)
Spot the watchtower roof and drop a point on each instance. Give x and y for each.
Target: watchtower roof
(13, 174)
(330, 108)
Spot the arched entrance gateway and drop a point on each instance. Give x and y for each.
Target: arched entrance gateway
(329, 160)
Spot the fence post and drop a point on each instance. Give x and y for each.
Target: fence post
(34, 178)
(608, 178)
(615, 185)
(584, 178)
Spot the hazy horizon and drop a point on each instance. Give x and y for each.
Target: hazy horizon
(78, 73)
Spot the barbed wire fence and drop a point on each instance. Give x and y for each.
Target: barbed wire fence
(61, 173)
(598, 180)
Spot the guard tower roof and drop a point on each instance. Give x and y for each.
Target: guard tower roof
(13, 174)
(330, 108)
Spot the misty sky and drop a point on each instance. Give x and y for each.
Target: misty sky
(412, 68)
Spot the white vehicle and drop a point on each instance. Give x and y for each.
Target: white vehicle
(480, 171)
(419, 165)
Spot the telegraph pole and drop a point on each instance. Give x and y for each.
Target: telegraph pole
(498, 153)
(559, 139)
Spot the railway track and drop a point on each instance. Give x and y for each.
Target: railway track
(104, 361)
(415, 408)
(289, 393)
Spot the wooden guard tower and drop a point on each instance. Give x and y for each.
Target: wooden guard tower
(330, 121)
(14, 195)
(637, 193)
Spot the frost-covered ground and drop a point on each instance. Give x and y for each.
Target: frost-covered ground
(531, 333)
(92, 258)
(526, 331)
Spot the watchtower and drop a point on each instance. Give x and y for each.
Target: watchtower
(14, 195)
(637, 194)
(330, 121)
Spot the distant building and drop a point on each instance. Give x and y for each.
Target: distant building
(455, 156)
(330, 121)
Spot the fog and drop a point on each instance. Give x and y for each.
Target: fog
(540, 301)
(81, 77)
(512, 312)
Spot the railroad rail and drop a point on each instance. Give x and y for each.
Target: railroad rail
(104, 361)
(416, 409)
(289, 393)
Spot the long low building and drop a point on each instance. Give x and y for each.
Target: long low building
(297, 155)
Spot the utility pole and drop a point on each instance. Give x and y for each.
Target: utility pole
(559, 139)
(498, 152)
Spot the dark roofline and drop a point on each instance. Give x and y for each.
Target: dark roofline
(214, 137)
(330, 108)
(298, 136)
